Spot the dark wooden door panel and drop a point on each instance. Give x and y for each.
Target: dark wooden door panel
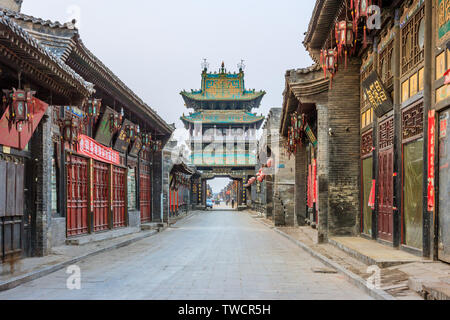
(385, 195)
(444, 187)
(11, 209)
(10, 189)
(19, 189)
(2, 189)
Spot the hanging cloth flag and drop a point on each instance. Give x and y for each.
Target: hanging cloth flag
(372, 196)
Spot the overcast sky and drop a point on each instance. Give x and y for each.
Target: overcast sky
(156, 47)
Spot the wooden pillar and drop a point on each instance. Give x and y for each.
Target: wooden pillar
(427, 100)
(398, 178)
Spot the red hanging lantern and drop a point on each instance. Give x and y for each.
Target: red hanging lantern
(360, 10)
(344, 31)
(328, 60)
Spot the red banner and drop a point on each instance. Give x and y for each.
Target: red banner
(11, 137)
(431, 158)
(91, 148)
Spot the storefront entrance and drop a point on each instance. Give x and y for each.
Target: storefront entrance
(444, 187)
(11, 209)
(77, 195)
(412, 218)
(145, 194)
(118, 186)
(101, 197)
(385, 192)
(386, 180)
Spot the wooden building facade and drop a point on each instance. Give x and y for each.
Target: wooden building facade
(382, 152)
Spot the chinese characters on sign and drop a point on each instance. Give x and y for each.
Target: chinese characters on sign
(377, 94)
(431, 157)
(94, 150)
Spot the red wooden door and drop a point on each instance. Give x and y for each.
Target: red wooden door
(119, 213)
(100, 194)
(77, 195)
(145, 194)
(385, 195)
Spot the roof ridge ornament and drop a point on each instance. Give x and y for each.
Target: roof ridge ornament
(205, 64)
(241, 66)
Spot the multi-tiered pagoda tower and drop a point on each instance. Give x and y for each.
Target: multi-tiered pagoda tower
(223, 129)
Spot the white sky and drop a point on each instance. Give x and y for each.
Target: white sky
(156, 47)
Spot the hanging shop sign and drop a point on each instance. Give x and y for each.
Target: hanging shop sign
(123, 139)
(376, 94)
(91, 148)
(104, 133)
(431, 158)
(311, 135)
(16, 127)
(137, 146)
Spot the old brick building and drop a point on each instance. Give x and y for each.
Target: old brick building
(87, 156)
(379, 118)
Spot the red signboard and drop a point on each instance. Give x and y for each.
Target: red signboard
(91, 148)
(431, 157)
(10, 137)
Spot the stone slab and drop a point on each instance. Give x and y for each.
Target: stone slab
(373, 253)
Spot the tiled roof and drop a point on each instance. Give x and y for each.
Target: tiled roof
(23, 34)
(122, 85)
(59, 47)
(223, 117)
(34, 20)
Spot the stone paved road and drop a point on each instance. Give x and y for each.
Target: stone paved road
(212, 255)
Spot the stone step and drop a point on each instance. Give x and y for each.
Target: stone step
(371, 252)
(153, 226)
(96, 237)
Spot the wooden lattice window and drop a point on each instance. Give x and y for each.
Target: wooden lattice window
(386, 64)
(386, 134)
(364, 74)
(413, 41)
(412, 122)
(367, 144)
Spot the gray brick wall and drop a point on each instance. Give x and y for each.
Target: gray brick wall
(344, 151)
(42, 150)
(301, 185)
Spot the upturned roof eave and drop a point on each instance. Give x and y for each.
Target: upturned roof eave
(134, 101)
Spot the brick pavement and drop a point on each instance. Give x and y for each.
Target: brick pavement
(211, 255)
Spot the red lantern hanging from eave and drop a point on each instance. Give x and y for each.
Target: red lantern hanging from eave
(328, 60)
(360, 9)
(345, 39)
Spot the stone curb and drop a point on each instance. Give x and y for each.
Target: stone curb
(353, 278)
